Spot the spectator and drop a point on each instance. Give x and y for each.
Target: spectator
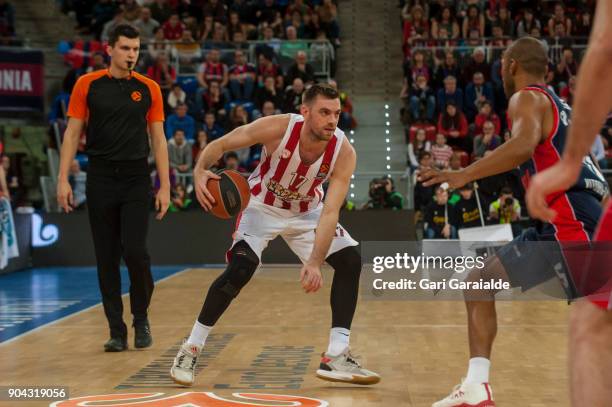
(179, 152)
(162, 73)
(295, 20)
(453, 125)
(567, 93)
(186, 49)
(9, 181)
(422, 194)
(199, 145)
(268, 68)
(506, 209)
(454, 164)
(559, 38)
(505, 22)
(447, 68)
(180, 200)
(7, 19)
(270, 43)
(447, 21)
(526, 25)
(160, 10)
(441, 152)
(301, 69)
(242, 77)
(110, 25)
(422, 101)
(146, 25)
(477, 64)
(214, 100)
(450, 93)
(211, 127)
(216, 9)
(466, 211)
(415, 29)
(418, 145)
(103, 12)
(176, 96)
(328, 13)
(473, 21)
(207, 29)
(269, 13)
(213, 70)
(131, 10)
(312, 25)
(292, 46)
(476, 93)
(347, 121)
(565, 69)
(219, 38)
(598, 150)
(268, 93)
(173, 28)
(233, 163)
(439, 218)
(583, 25)
(181, 120)
(158, 45)
(488, 141)
(298, 6)
(416, 68)
(293, 97)
(560, 18)
(235, 25)
(78, 181)
(486, 113)
(97, 63)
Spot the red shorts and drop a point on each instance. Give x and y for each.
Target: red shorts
(604, 234)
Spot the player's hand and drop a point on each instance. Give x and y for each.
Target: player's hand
(433, 176)
(64, 196)
(311, 278)
(162, 202)
(200, 178)
(559, 177)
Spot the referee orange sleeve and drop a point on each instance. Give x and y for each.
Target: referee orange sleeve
(156, 111)
(77, 107)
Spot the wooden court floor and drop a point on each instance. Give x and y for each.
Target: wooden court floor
(270, 340)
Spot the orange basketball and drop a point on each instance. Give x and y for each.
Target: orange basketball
(231, 194)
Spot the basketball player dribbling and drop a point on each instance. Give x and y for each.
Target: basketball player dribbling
(300, 153)
(538, 120)
(590, 350)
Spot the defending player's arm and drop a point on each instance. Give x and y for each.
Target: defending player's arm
(592, 102)
(526, 110)
(265, 130)
(339, 182)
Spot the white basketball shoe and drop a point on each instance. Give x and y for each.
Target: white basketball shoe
(183, 368)
(468, 395)
(344, 368)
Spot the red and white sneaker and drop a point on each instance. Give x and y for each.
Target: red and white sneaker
(468, 395)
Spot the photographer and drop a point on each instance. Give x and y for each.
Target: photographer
(383, 195)
(506, 209)
(466, 211)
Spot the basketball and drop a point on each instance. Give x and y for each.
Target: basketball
(231, 194)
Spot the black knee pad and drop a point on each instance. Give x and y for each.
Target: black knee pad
(242, 266)
(347, 260)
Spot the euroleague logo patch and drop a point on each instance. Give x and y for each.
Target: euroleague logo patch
(194, 399)
(136, 96)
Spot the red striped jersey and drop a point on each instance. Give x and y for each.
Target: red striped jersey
(282, 180)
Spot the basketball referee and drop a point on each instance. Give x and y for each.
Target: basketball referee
(119, 108)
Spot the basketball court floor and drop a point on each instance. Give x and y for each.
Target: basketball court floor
(266, 348)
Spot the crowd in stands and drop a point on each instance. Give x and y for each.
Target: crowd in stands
(8, 34)
(212, 80)
(454, 106)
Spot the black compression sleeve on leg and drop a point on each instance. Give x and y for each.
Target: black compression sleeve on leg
(345, 286)
(242, 266)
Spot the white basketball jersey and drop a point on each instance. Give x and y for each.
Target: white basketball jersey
(282, 180)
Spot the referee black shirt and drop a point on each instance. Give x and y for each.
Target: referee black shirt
(117, 112)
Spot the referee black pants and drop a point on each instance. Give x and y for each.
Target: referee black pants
(118, 199)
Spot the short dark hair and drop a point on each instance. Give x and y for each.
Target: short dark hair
(178, 131)
(531, 54)
(424, 154)
(122, 30)
(506, 191)
(231, 154)
(317, 89)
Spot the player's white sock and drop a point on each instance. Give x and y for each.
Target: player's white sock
(478, 371)
(199, 333)
(338, 341)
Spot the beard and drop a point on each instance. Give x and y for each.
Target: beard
(509, 85)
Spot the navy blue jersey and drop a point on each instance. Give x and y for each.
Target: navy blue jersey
(578, 208)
